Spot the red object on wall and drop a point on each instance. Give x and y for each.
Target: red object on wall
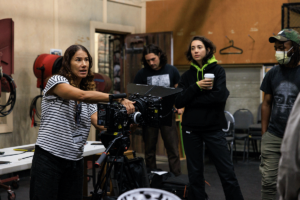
(103, 82)
(6, 50)
(7, 45)
(46, 65)
(5, 86)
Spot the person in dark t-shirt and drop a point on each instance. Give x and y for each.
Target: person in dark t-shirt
(281, 86)
(156, 71)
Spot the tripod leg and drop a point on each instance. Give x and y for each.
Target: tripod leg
(97, 186)
(94, 172)
(121, 177)
(108, 172)
(118, 179)
(114, 181)
(129, 174)
(99, 181)
(103, 181)
(117, 176)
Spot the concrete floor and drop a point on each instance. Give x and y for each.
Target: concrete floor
(247, 173)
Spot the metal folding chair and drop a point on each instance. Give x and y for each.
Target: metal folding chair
(243, 119)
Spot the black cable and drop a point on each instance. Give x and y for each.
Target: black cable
(12, 97)
(36, 113)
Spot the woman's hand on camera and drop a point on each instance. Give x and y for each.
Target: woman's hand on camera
(128, 105)
(205, 84)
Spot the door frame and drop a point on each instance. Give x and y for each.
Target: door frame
(96, 26)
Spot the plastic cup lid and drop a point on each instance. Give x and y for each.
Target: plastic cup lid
(209, 76)
(147, 194)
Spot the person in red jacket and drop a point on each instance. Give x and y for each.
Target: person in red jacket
(203, 119)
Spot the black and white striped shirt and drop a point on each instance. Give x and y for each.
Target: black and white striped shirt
(58, 123)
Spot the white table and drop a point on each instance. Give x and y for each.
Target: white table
(19, 165)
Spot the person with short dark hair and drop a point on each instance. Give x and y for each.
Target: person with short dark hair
(68, 110)
(203, 119)
(156, 71)
(281, 86)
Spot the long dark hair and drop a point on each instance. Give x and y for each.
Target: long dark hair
(151, 48)
(86, 83)
(209, 46)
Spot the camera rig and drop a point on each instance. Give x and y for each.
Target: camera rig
(153, 107)
(114, 117)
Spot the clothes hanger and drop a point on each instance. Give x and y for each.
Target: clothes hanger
(231, 46)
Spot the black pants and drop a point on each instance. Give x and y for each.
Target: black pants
(169, 135)
(219, 153)
(54, 178)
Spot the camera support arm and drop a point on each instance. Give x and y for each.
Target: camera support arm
(116, 96)
(104, 154)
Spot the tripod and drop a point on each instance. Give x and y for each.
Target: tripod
(117, 165)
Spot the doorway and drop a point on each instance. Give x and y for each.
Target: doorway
(119, 56)
(109, 51)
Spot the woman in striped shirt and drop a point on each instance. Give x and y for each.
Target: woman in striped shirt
(68, 110)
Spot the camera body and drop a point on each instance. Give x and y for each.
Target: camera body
(153, 107)
(114, 117)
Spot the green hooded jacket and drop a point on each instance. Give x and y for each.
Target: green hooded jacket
(211, 60)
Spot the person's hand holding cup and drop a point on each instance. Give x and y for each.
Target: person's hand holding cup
(210, 77)
(207, 82)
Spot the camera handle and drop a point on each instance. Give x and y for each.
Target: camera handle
(116, 96)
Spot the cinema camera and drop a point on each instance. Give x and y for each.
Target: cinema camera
(153, 107)
(115, 118)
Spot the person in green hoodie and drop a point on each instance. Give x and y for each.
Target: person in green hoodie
(203, 119)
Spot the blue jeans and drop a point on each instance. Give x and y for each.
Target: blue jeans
(54, 178)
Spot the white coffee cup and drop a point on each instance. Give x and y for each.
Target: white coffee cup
(210, 76)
